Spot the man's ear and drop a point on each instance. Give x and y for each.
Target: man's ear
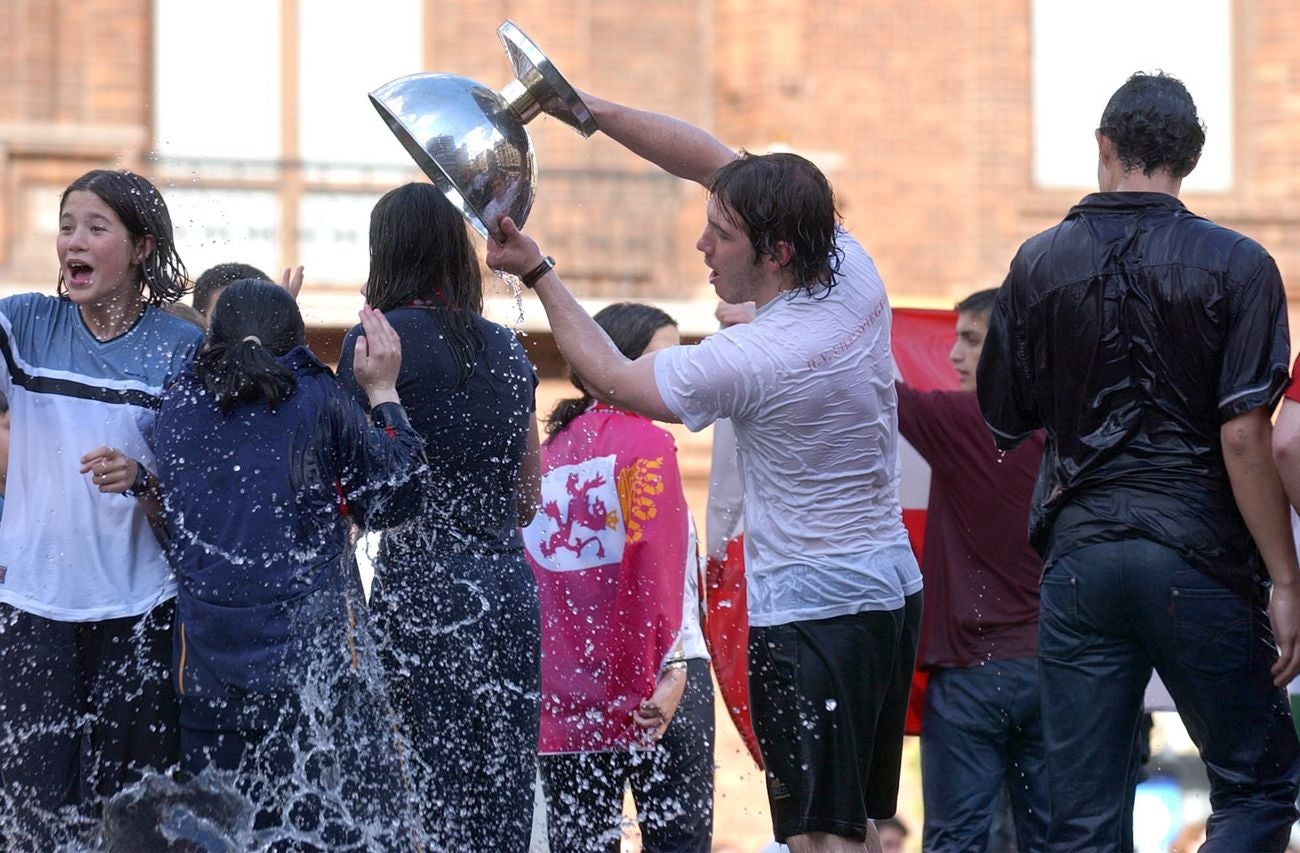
(1105, 147)
(782, 254)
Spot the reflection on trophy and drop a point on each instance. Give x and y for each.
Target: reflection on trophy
(470, 140)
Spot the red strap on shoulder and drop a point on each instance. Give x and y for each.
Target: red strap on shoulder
(343, 501)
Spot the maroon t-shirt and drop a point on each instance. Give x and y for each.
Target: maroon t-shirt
(981, 575)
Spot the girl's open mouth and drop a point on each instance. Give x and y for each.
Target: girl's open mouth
(79, 273)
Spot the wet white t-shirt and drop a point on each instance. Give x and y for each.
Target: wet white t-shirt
(809, 387)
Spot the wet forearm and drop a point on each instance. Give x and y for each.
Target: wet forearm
(1257, 488)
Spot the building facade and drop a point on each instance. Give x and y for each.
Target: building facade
(936, 121)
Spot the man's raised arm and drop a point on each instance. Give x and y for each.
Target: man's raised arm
(606, 372)
(673, 145)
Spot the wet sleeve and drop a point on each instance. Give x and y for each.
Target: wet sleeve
(926, 420)
(11, 322)
(1003, 380)
(378, 460)
(702, 382)
(1257, 347)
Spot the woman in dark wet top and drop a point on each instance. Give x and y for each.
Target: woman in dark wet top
(265, 461)
(454, 599)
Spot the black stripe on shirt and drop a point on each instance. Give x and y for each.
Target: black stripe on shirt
(70, 387)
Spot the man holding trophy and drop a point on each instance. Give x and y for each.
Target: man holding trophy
(834, 590)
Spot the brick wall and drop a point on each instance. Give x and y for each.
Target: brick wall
(919, 112)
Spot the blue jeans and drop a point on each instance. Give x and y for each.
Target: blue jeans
(982, 729)
(1109, 613)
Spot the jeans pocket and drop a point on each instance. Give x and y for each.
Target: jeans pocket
(1059, 637)
(1212, 629)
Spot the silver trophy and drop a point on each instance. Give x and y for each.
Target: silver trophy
(470, 140)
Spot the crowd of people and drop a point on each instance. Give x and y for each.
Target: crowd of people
(185, 488)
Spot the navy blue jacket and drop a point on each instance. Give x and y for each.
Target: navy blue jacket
(256, 504)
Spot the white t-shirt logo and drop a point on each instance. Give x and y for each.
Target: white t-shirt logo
(579, 526)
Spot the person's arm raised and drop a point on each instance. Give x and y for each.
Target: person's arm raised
(605, 372)
(673, 145)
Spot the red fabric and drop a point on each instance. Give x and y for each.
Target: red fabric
(1293, 389)
(726, 633)
(922, 339)
(343, 501)
(608, 549)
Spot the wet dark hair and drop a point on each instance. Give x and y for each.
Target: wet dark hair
(188, 313)
(143, 211)
(979, 303)
(784, 197)
(421, 252)
(1152, 122)
(219, 276)
(4, 404)
(630, 325)
(237, 370)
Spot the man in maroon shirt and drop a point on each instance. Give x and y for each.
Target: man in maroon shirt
(981, 727)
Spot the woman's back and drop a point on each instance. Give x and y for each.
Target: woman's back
(475, 434)
(256, 502)
(251, 494)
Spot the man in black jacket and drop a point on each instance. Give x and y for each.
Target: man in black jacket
(1152, 344)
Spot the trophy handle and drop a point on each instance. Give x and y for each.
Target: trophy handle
(538, 86)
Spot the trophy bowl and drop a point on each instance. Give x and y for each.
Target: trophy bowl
(470, 139)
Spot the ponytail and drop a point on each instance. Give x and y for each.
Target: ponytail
(243, 372)
(254, 323)
(565, 411)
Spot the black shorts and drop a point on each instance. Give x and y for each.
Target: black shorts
(829, 700)
(110, 680)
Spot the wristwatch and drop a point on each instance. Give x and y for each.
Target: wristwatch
(143, 483)
(530, 278)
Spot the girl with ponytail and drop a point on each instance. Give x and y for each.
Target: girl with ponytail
(265, 461)
(627, 697)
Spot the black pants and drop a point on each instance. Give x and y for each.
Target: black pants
(84, 706)
(672, 785)
(462, 658)
(328, 777)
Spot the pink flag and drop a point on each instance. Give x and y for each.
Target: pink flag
(609, 550)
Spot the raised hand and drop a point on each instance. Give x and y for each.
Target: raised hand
(377, 358)
(291, 280)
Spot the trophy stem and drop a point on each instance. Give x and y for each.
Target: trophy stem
(521, 101)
